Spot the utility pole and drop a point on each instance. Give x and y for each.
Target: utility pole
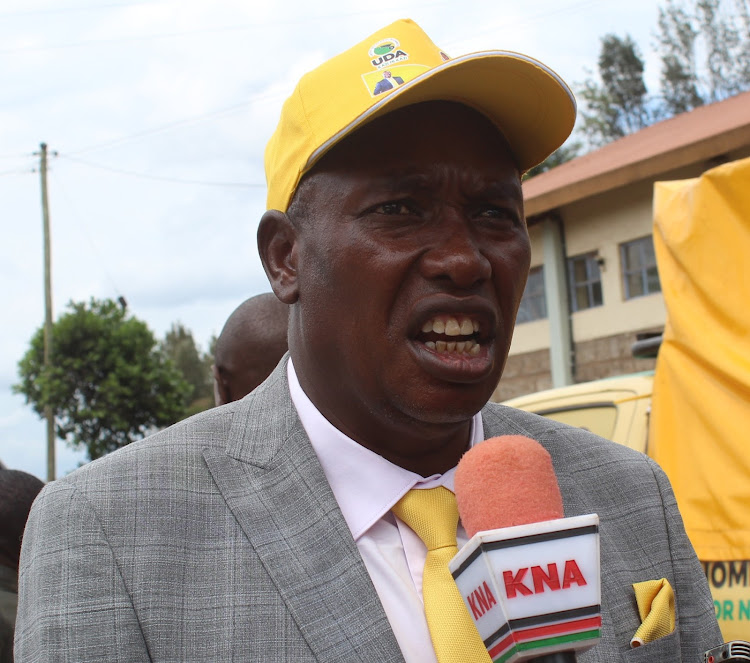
(49, 415)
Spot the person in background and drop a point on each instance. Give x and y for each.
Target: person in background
(252, 342)
(17, 492)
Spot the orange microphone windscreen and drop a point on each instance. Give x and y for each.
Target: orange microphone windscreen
(506, 481)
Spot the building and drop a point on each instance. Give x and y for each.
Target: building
(593, 289)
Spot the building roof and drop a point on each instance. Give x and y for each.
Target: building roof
(703, 133)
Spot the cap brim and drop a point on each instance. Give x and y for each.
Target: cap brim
(528, 102)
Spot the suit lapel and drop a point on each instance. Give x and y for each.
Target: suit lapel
(274, 485)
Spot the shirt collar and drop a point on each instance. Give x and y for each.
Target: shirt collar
(364, 484)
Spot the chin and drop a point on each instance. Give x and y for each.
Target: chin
(452, 408)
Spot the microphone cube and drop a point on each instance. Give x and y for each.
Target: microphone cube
(533, 589)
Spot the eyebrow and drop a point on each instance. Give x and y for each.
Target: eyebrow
(409, 180)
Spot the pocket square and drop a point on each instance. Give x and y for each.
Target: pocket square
(655, 600)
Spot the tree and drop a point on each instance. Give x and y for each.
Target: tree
(743, 49)
(179, 345)
(723, 77)
(618, 104)
(566, 152)
(679, 77)
(720, 36)
(108, 383)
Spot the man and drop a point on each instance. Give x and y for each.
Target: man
(387, 82)
(250, 345)
(17, 492)
(264, 530)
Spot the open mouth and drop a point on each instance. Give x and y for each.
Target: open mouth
(452, 335)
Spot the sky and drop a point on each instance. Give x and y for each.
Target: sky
(156, 114)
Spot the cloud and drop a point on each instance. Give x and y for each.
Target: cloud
(23, 444)
(145, 94)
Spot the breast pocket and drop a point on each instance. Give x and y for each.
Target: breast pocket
(663, 650)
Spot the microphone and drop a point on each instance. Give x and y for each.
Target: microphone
(530, 577)
(735, 651)
(506, 481)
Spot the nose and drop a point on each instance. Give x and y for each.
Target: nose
(455, 254)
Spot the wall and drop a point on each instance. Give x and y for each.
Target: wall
(529, 372)
(602, 336)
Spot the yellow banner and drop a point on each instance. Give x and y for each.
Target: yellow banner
(700, 422)
(730, 587)
(700, 418)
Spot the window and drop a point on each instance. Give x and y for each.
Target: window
(639, 268)
(585, 281)
(533, 303)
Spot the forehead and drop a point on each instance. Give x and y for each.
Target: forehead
(414, 140)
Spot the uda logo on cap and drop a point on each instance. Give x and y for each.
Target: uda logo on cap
(386, 52)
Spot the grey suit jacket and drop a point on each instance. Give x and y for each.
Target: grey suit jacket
(219, 539)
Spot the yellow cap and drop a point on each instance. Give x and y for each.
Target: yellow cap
(399, 66)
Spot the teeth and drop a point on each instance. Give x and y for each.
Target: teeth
(451, 326)
(469, 347)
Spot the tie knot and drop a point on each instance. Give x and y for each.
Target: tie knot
(432, 513)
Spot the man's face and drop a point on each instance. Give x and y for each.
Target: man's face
(411, 257)
(386, 74)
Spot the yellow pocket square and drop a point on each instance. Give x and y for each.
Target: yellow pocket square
(655, 600)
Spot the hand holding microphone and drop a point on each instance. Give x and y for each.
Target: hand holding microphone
(529, 576)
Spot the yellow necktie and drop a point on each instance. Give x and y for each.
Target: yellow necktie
(433, 515)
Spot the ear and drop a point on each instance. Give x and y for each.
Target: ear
(277, 246)
(221, 393)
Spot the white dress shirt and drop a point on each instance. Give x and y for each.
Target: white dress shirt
(366, 486)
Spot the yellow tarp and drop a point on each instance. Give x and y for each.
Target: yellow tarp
(700, 423)
(700, 420)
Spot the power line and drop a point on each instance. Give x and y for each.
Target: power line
(20, 170)
(16, 156)
(178, 123)
(128, 39)
(16, 172)
(70, 10)
(269, 96)
(540, 17)
(249, 27)
(208, 30)
(574, 6)
(161, 178)
(87, 233)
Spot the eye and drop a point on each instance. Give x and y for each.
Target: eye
(396, 218)
(497, 213)
(393, 208)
